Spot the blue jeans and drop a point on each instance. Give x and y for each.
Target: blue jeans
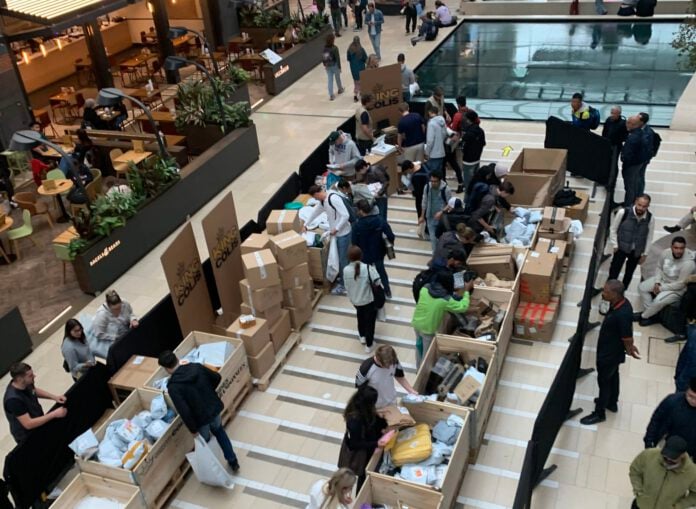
(599, 7)
(468, 170)
(434, 163)
(375, 40)
(342, 243)
(215, 427)
(432, 228)
(379, 265)
(334, 71)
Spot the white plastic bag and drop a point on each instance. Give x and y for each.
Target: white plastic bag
(112, 436)
(332, 264)
(207, 467)
(108, 453)
(156, 429)
(129, 432)
(216, 353)
(143, 419)
(85, 445)
(158, 407)
(576, 228)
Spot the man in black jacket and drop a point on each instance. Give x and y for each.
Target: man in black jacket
(615, 131)
(192, 389)
(635, 156)
(473, 139)
(676, 415)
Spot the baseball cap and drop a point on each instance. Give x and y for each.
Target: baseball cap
(454, 203)
(334, 136)
(674, 447)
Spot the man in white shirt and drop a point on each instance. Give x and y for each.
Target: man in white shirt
(442, 14)
(338, 216)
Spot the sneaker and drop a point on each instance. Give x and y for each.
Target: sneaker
(338, 290)
(13, 204)
(593, 418)
(460, 188)
(637, 317)
(362, 340)
(647, 322)
(413, 43)
(675, 339)
(234, 466)
(370, 349)
(332, 97)
(341, 90)
(672, 229)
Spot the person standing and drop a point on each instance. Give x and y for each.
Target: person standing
(675, 415)
(335, 9)
(419, 181)
(664, 478)
(668, 284)
(408, 78)
(435, 136)
(76, 352)
(343, 155)
(359, 9)
(192, 388)
(374, 19)
(435, 199)
(113, 320)
(334, 493)
(332, 63)
(437, 100)
(630, 235)
(368, 174)
(21, 403)
(339, 224)
(615, 131)
(358, 278)
(615, 341)
(473, 139)
(357, 58)
(364, 130)
(580, 112)
(411, 137)
(411, 12)
(651, 142)
(379, 372)
(369, 234)
(635, 155)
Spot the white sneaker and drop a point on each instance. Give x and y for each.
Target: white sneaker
(339, 290)
(370, 349)
(362, 340)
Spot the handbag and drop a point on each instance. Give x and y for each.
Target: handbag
(388, 247)
(378, 296)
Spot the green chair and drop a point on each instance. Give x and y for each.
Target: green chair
(26, 230)
(55, 175)
(63, 253)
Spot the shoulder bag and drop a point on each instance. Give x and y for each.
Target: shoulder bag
(379, 298)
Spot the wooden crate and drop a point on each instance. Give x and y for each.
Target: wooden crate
(507, 300)
(85, 485)
(431, 414)
(160, 465)
(382, 490)
(469, 350)
(235, 379)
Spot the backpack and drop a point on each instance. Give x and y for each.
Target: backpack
(657, 141)
(423, 278)
(594, 117)
(352, 215)
(473, 200)
(328, 58)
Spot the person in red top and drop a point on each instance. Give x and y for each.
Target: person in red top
(39, 170)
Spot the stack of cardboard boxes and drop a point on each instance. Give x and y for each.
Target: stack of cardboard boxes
(537, 174)
(497, 259)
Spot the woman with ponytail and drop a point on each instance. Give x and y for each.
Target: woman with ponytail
(358, 279)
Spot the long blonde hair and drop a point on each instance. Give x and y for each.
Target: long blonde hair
(372, 62)
(335, 488)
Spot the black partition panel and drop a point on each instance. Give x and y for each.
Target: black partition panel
(15, 341)
(316, 162)
(250, 227)
(589, 155)
(287, 192)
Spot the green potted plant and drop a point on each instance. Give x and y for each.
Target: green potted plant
(154, 176)
(685, 40)
(261, 24)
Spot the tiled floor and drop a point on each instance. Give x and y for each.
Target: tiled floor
(289, 436)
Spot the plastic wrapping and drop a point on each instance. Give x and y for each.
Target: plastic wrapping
(156, 429)
(158, 407)
(85, 445)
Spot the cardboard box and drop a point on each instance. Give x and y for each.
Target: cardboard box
(536, 321)
(86, 485)
(255, 338)
(280, 221)
(260, 269)
(551, 162)
(271, 314)
(557, 247)
(260, 300)
(256, 242)
(299, 295)
(537, 277)
(300, 316)
(560, 234)
(290, 249)
(281, 330)
(261, 363)
(552, 218)
(296, 276)
(491, 250)
(531, 191)
(502, 266)
(467, 388)
(317, 262)
(579, 211)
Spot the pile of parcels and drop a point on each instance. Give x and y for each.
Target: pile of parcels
(127, 441)
(92, 502)
(455, 381)
(421, 455)
(211, 355)
(543, 275)
(482, 321)
(277, 290)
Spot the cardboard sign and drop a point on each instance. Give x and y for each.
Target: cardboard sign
(184, 274)
(221, 233)
(384, 83)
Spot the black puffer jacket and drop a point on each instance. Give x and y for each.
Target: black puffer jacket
(674, 416)
(192, 389)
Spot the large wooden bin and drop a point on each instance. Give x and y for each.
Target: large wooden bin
(85, 485)
(469, 350)
(431, 414)
(161, 464)
(386, 491)
(235, 380)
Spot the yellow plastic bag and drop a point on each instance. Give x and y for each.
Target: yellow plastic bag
(134, 454)
(411, 445)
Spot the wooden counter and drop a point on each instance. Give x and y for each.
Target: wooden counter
(58, 64)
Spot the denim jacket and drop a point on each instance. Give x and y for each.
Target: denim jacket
(378, 19)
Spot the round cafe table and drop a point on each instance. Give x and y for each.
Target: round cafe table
(62, 185)
(6, 258)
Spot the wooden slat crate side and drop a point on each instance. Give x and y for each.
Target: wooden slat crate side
(91, 485)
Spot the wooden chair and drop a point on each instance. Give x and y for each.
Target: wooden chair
(29, 201)
(63, 254)
(42, 117)
(24, 231)
(120, 168)
(93, 189)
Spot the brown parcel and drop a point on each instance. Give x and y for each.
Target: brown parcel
(262, 299)
(296, 276)
(317, 262)
(491, 250)
(530, 190)
(300, 316)
(271, 314)
(538, 277)
(260, 269)
(299, 295)
(395, 417)
(536, 321)
(254, 338)
(563, 233)
(552, 219)
(467, 388)
(579, 210)
(256, 242)
(543, 161)
(280, 221)
(502, 266)
(557, 247)
(290, 249)
(261, 363)
(281, 330)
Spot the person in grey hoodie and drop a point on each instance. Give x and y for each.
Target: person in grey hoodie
(435, 136)
(76, 352)
(343, 154)
(435, 197)
(114, 319)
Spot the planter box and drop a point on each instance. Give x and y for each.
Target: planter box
(469, 350)
(200, 139)
(105, 261)
(234, 373)
(259, 36)
(85, 485)
(388, 492)
(296, 62)
(430, 414)
(162, 462)
(240, 95)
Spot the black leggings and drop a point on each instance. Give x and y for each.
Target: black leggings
(367, 316)
(358, 11)
(411, 17)
(451, 159)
